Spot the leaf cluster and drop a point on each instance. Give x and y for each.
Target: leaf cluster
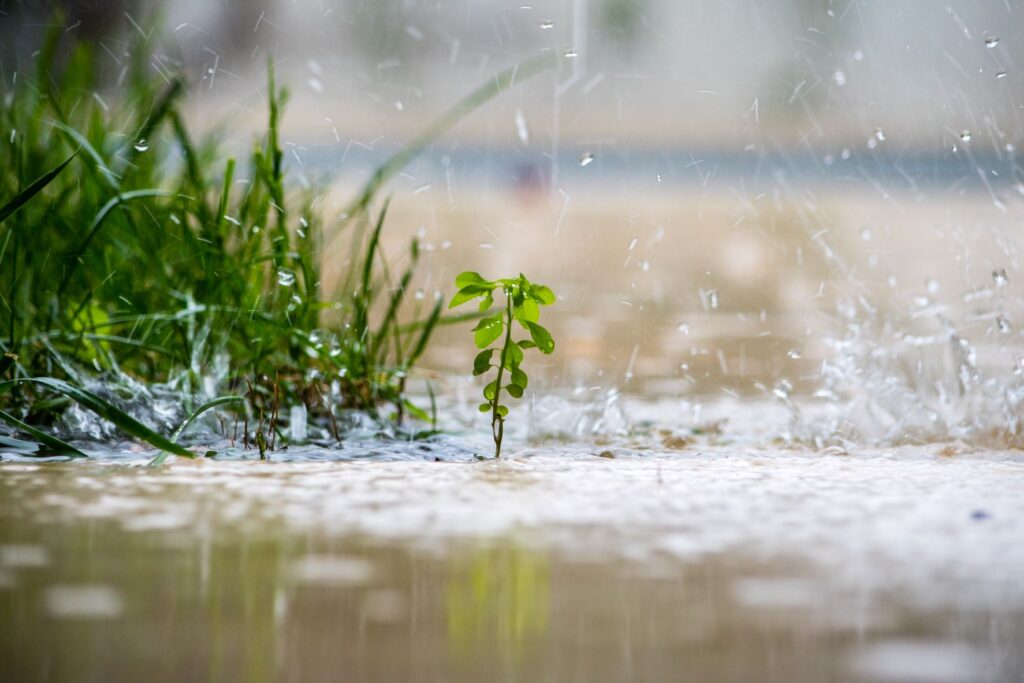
(522, 306)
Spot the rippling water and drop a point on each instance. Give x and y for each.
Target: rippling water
(701, 548)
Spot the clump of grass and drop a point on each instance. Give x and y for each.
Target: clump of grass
(131, 251)
(523, 300)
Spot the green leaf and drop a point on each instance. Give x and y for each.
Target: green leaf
(514, 390)
(488, 330)
(526, 344)
(32, 190)
(470, 278)
(528, 311)
(491, 390)
(503, 411)
(467, 293)
(487, 301)
(541, 337)
(482, 362)
(519, 377)
(484, 407)
(542, 294)
(105, 410)
(513, 356)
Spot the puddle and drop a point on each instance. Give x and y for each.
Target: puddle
(710, 554)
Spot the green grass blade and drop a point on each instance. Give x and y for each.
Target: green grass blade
(122, 420)
(97, 223)
(489, 90)
(209, 405)
(56, 446)
(428, 328)
(33, 189)
(83, 143)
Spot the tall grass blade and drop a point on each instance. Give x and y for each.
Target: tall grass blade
(122, 420)
(55, 445)
(33, 189)
(489, 90)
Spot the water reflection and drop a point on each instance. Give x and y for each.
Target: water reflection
(497, 604)
(710, 567)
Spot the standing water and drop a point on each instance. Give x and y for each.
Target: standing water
(780, 436)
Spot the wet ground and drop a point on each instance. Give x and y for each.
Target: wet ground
(660, 553)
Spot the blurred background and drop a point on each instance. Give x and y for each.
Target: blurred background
(755, 197)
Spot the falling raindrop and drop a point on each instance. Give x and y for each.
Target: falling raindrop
(570, 54)
(632, 243)
(521, 128)
(879, 134)
(795, 354)
(1003, 324)
(991, 41)
(865, 234)
(839, 77)
(683, 328)
(141, 145)
(999, 277)
(586, 158)
(1000, 74)
(285, 277)
(965, 135)
(858, 55)
(645, 266)
(932, 286)
(545, 25)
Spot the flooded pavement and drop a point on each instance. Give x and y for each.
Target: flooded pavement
(705, 554)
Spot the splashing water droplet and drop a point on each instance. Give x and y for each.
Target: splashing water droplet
(879, 134)
(522, 130)
(285, 278)
(965, 135)
(991, 42)
(782, 389)
(141, 145)
(839, 78)
(1003, 324)
(546, 25)
(587, 158)
(999, 277)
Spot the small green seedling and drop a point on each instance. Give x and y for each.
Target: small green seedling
(523, 300)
